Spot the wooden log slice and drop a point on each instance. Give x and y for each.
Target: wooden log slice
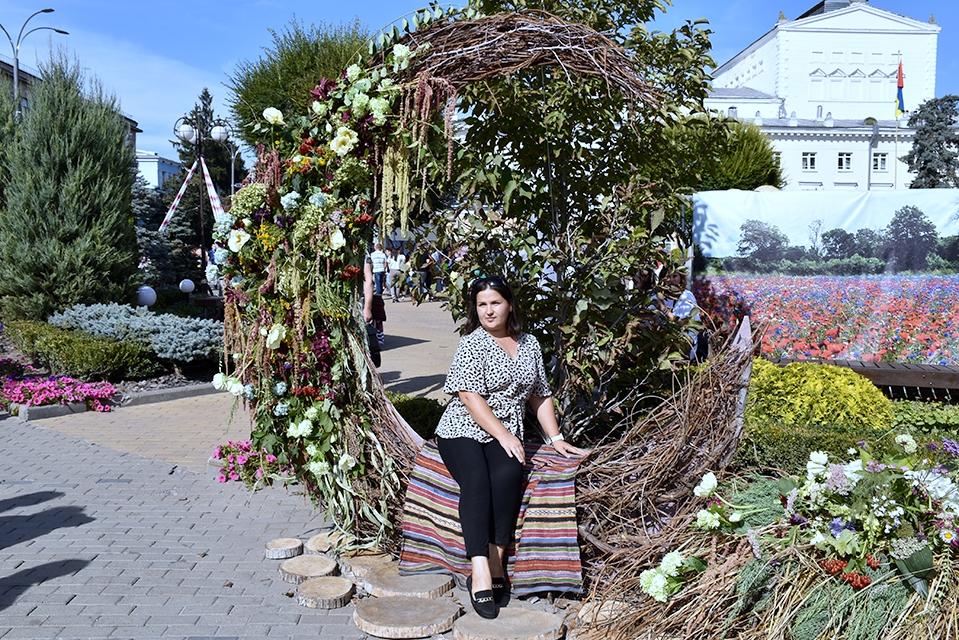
(326, 592)
(385, 580)
(357, 563)
(320, 543)
(301, 568)
(283, 548)
(405, 616)
(511, 624)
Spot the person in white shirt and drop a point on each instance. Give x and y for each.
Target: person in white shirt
(395, 275)
(379, 268)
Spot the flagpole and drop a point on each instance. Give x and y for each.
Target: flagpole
(895, 160)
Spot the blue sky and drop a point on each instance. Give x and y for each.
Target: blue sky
(157, 56)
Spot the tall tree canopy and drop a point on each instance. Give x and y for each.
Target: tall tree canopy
(934, 156)
(568, 192)
(286, 73)
(67, 232)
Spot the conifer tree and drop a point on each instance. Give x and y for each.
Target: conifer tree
(67, 232)
(934, 157)
(148, 210)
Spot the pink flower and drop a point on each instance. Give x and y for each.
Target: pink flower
(259, 472)
(218, 453)
(234, 475)
(221, 478)
(241, 459)
(270, 458)
(230, 458)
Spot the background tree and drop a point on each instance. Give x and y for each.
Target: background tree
(911, 237)
(8, 132)
(183, 234)
(934, 157)
(744, 159)
(286, 73)
(565, 194)
(148, 211)
(761, 241)
(814, 233)
(838, 244)
(67, 233)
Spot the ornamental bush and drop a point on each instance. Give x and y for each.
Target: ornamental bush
(80, 355)
(926, 418)
(804, 394)
(170, 337)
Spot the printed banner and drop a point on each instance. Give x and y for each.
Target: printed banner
(838, 275)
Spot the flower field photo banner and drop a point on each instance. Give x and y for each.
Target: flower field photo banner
(865, 275)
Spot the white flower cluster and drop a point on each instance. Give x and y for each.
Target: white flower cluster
(290, 201)
(344, 142)
(655, 582)
(907, 442)
(300, 429)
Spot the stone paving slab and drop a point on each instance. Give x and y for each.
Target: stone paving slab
(181, 557)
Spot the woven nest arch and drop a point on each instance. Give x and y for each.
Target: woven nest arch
(454, 54)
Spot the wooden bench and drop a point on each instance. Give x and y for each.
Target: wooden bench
(901, 379)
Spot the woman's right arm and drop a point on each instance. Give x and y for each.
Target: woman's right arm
(483, 416)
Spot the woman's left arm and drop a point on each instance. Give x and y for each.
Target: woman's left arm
(546, 415)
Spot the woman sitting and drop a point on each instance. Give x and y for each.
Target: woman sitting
(497, 369)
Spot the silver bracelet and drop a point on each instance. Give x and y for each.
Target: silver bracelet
(556, 438)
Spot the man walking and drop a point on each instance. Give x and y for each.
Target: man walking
(379, 268)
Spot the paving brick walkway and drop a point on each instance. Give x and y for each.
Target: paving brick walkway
(110, 526)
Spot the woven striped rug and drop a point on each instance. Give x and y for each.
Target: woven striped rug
(545, 553)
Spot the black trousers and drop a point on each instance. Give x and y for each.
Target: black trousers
(490, 491)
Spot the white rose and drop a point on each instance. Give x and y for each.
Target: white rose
(337, 241)
(273, 116)
(219, 382)
(235, 387)
(706, 486)
(275, 336)
(346, 462)
(238, 238)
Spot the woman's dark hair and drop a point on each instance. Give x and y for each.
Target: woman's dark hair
(514, 324)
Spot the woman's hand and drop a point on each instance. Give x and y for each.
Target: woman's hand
(567, 450)
(512, 446)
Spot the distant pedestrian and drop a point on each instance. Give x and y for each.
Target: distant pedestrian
(379, 259)
(396, 274)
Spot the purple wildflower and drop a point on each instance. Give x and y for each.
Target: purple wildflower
(951, 447)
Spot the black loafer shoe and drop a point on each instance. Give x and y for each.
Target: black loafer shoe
(483, 602)
(501, 589)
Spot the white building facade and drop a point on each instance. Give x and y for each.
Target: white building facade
(823, 87)
(156, 169)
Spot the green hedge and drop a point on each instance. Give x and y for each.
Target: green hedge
(423, 414)
(79, 355)
(788, 447)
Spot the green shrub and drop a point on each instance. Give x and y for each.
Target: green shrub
(806, 394)
(788, 447)
(926, 418)
(79, 355)
(423, 414)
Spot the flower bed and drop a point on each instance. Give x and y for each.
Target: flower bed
(37, 392)
(855, 548)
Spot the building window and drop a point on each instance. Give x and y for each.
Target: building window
(809, 161)
(845, 162)
(879, 161)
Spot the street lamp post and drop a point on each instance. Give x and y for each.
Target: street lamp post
(195, 129)
(223, 131)
(16, 53)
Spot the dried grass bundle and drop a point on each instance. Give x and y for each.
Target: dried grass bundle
(633, 494)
